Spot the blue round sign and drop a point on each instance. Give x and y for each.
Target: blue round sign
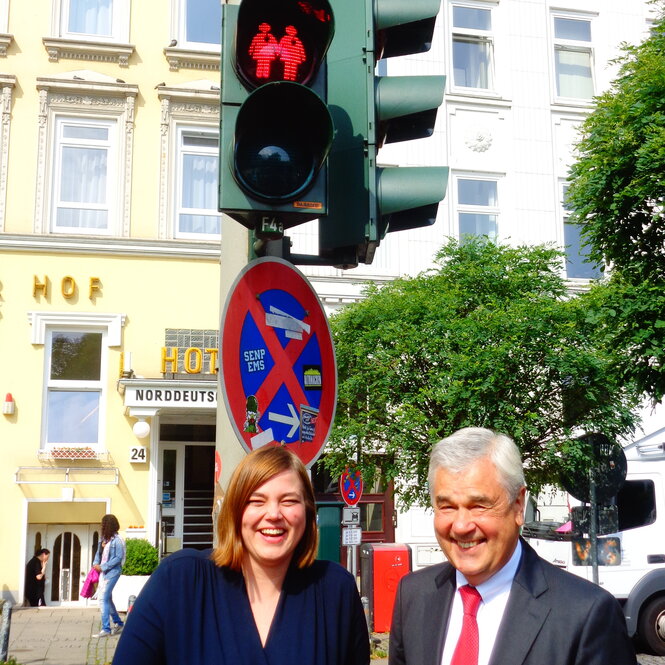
(277, 360)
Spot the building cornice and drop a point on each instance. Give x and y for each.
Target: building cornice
(175, 249)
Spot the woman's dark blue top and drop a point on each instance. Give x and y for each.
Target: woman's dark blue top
(192, 612)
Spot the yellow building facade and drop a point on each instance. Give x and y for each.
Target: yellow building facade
(109, 278)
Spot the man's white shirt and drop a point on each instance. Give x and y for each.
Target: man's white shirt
(494, 594)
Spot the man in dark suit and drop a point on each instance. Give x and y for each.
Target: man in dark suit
(530, 612)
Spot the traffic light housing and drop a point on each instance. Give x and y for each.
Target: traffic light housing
(365, 200)
(275, 128)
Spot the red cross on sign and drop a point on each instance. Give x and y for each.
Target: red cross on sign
(279, 376)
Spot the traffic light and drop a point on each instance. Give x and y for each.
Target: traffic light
(365, 200)
(276, 131)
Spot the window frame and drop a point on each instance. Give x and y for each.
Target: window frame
(98, 387)
(180, 131)
(474, 35)
(44, 322)
(180, 29)
(95, 98)
(581, 255)
(195, 105)
(119, 26)
(560, 44)
(476, 209)
(60, 120)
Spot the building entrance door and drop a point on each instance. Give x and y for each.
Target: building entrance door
(185, 491)
(73, 548)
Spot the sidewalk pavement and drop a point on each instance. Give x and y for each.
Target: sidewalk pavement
(58, 636)
(63, 636)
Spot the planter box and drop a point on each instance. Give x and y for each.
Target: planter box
(126, 586)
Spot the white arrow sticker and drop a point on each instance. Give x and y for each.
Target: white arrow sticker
(292, 420)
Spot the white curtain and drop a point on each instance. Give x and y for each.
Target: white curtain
(573, 74)
(471, 63)
(91, 17)
(199, 192)
(83, 180)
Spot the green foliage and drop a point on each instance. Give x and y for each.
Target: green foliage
(617, 189)
(142, 557)
(488, 339)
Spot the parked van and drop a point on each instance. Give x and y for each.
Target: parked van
(631, 560)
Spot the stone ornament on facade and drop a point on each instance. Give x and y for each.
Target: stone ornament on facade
(478, 139)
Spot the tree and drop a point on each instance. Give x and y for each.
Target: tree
(489, 339)
(617, 192)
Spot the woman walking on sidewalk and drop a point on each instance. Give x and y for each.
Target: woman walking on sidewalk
(108, 562)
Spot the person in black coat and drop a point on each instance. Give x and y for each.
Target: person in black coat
(530, 612)
(35, 578)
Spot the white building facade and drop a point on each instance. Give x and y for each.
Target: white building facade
(521, 77)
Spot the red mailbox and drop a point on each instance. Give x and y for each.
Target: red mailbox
(382, 566)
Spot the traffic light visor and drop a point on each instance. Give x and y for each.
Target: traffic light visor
(282, 137)
(282, 40)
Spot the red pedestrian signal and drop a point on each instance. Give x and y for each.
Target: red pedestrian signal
(282, 40)
(276, 130)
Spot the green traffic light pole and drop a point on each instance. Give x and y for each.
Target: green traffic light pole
(280, 247)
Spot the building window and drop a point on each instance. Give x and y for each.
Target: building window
(477, 207)
(472, 47)
(196, 205)
(578, 265)
(189, 158)
(573, 57)
(85, 145)
(93, 19)
(85, 155)
(74, 387)
(200, 23)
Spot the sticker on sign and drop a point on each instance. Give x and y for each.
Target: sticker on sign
(351, 536)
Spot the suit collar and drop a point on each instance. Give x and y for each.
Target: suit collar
(526, 605)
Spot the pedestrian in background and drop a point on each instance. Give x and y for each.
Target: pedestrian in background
(108, 561)
(35, 578)
(495, 601)
(259, 597)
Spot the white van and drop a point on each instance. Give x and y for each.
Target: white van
(632, 560)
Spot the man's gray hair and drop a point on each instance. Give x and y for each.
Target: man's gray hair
(470, 444)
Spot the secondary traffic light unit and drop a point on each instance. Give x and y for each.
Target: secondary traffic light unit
(303, 115)
(365, 201)
(275, 128)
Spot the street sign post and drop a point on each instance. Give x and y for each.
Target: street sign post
(351, 486)
(351, 489)
(278, 371)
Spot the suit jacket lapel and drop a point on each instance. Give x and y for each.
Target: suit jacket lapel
(437, 613)
(527, 608)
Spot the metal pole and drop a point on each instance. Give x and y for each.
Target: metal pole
(593, 528)
(4, 629)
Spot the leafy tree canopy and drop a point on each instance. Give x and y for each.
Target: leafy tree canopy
(617, 190)
(486, 339)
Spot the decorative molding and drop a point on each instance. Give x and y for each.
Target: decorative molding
(180, 58)
(5, 41)
(58, 47)
(478, 139)
(7, 84)
(105, 246)
(191, 102)
(83, 93)
(40, 321)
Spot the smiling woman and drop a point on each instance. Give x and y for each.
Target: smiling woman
(260, 596)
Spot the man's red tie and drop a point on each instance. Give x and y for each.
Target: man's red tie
(466, 651)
